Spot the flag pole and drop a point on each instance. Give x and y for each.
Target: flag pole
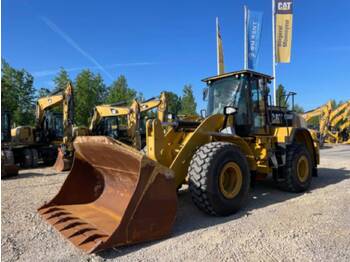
(217, 46)
(245, 39)
(274, 53)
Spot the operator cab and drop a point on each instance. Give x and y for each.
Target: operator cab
(247, 92)
(112, 126)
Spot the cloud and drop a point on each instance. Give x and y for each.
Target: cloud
(49, 72)
(72, 43)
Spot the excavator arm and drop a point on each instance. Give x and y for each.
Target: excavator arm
(133, 114)
(103, 111)
(159, 103)
(339, 113)
(65, 153)
(45, 103)
(324, 112)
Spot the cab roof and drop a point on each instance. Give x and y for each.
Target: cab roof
(236, 73)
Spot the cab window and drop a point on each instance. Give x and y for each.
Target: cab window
(258, 105)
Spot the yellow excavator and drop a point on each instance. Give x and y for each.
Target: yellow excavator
(338, 123)
(70, 131)
(324, 113)
(115, 195)
(118, 122)
(126, 124)
(344, 131)
(53, 132)
(30, 145)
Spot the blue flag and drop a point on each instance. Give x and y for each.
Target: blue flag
(254, 27)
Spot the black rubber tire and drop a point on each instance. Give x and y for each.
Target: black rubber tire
(27, 158)
(35, 157)
(204, 171)
(291, 182)
(49, 156)
(10, 157)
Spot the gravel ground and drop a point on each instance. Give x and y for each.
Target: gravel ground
(274, 226)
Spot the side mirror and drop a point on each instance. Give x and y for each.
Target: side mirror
(203, 113)
(229, 110)
(205, 93)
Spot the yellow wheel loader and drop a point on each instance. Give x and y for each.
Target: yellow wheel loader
(114, 195)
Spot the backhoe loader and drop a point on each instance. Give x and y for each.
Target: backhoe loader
(114, 195)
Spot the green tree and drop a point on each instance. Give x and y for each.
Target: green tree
(314, 122)
(42, 92)
(188, 102)
(120, 91)
(61, 80)
(299, 109)
(281, 96)
(140, 97)
(17, 94)
(89, 92)
(174, 102)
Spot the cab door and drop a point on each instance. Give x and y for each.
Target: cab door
(258, 94)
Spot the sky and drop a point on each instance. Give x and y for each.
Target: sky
(163, 45)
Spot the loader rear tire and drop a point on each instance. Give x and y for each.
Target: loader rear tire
(297, 172)
(219, 178)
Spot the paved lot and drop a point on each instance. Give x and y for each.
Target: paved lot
(274, 226)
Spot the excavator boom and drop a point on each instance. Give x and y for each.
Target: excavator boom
(64, 157)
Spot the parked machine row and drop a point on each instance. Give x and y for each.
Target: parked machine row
(50, 141)
(334, 123)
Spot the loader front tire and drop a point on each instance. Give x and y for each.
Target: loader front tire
(297, 172)
(219, 178)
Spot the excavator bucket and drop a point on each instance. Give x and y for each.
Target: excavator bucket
(113, 196)
(62, 163)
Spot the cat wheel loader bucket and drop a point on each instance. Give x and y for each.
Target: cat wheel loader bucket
(62, 163)
(113, 196)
